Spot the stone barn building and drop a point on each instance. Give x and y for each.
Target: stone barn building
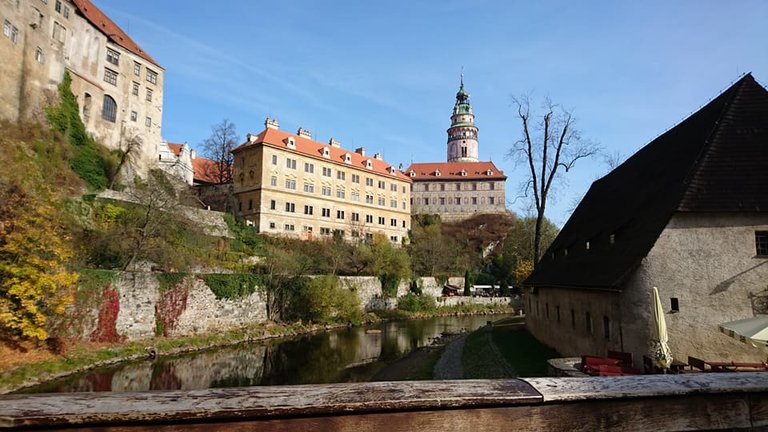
(688, 213)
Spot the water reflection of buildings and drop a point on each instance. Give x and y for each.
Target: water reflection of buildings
(349, 355)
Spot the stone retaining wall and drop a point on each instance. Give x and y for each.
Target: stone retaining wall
(190, 306)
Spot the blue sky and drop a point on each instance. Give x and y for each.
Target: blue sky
(383, 75)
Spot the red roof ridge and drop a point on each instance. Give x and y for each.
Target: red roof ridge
(104, 24)
(455, 170)
(337, 155)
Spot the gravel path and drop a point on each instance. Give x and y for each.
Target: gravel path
(449, 366)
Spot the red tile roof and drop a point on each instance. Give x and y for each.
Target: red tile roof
(277, 138)
(453, 171)
(206, 170)
(175, 148)
(113, 32)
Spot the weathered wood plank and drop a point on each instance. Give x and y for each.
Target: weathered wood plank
(680, 413)
(565, 389)
(671, 402)
(260, 402)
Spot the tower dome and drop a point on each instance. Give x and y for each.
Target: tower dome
(462, 135)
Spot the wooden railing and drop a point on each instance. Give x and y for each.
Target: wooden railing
(652, 402)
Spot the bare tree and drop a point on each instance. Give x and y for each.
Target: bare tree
(156, 198)
(129, 147)
(548, 147)
(218, 147)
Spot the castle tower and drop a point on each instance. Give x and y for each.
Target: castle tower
(462, 135)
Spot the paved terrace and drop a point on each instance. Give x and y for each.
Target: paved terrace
(733, 401)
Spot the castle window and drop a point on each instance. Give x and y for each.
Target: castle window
(110, 76)
(273, 181)
(368, 164)
(148, 122)
(113, 57)
(151, 76)
(272, 205)
(675, 303)
(87, 105)
(347, 158)
(39, 57)
(437, 173)
(341, 175)
(136, 68)
(326, 152)
(59, 32)
(109, 109)
(761, 243)
(134, 116)
(491, 200)
(135, 89)
(290, 163)
(412, 173)
(355, 178)
(463, 173)
(588, 322)
(149, 95)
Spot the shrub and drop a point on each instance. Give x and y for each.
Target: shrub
(323, 300)
(416, 303)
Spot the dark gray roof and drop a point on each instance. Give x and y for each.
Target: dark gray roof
(716, 160)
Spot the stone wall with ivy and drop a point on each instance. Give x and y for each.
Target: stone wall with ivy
(115, 306)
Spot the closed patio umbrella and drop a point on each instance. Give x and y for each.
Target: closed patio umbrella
(659, 349)
(752, 330)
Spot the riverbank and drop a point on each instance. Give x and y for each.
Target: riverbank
(43, 366)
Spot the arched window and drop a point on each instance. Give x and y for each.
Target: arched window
(109, 109)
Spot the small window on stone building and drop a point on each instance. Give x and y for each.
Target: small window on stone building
(606, 328)
(675, 304)
(588, 322)
(573, 319)
(587, 245)
(761, 243)
(39, 56)
(612, 239)
(134, 116)
(272, 204)
(87, 99)
(250, 204)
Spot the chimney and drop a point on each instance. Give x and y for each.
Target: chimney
(192, 154)
(360, 151)
(334, 142)
(304, 133)
(377, 156)
(251, 138)
(271, 123)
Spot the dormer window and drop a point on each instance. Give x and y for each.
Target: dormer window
(368, 164)
(463, 173)
(412, 173)
(326, 152)
(290, 142)
(392, 170)
(489, 173)
(437, 173)
(347, 158)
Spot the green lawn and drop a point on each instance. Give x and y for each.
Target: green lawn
(524, 353)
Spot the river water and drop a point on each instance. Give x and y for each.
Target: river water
(348, 355)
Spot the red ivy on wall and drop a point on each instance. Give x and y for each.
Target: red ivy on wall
(170, 306)
(106, 329)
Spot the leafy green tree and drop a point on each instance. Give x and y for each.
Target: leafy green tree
(389, 263)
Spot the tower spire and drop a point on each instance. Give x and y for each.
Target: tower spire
(462, 135)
